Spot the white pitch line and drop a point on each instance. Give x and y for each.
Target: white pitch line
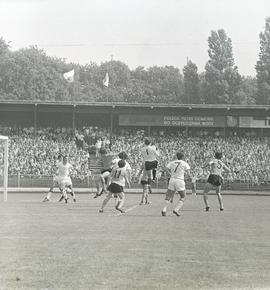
(127, 210)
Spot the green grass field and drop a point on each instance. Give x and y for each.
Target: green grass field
(59, 246)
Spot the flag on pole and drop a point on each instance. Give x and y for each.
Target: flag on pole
(69, 76)
(106, 80)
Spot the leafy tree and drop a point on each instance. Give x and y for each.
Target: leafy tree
(31, 74)
(155, 84)
(141, 90)
(4, 47)
(247, 92)
(163, 84)
(4, 67)
(222, 79)
(263, 66)
(119, 73)
(191, 83)
(119, 81)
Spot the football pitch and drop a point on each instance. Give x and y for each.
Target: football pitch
(73, 246)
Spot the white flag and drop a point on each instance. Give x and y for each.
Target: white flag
(69, 76)
(106, 80)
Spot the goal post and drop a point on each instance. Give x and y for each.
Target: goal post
(4, 166)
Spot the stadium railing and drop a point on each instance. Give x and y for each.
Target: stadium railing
(21, 181)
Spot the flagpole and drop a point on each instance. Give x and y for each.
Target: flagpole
(111, 115)
(76, 93)
(108, 95)
(75, 89)
(110, 72)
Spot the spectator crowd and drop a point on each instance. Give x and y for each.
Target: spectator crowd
(35, 153)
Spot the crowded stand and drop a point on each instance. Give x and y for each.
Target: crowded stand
(34, 153)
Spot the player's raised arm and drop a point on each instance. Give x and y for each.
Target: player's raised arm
(127, 180)
(103, 182)
(71, 169)
(111, 175)
(227, 168)
(129, 172)
(167, 169)
(206, 165)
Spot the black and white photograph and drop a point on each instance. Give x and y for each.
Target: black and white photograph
(134, 144)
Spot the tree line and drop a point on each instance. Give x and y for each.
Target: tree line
(30, 74)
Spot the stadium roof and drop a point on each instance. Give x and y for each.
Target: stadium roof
(135, 105)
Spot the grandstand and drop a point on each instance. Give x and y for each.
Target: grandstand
(45, 128)
(225, 119)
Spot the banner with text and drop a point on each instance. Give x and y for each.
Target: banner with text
(172, 121)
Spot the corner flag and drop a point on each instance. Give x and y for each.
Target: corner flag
(106, 80)
(69, 76)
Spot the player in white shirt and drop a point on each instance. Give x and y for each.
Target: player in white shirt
(149, 156)
(215, 179)
(123, 156)
(64, 170)
(119, 176)
(55, 182)
(177, 170)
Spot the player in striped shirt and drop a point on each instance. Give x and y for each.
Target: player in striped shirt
(94, 167)
(102, 178)
(215, 179)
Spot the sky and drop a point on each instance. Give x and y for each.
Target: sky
(136, 32)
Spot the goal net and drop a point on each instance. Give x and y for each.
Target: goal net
(4, 166)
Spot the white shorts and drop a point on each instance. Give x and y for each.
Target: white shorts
(176, 184)
(64, 182)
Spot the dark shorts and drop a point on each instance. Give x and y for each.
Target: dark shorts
(215, 180)
(115, 188)
(149, 165)
(144, 182)
(106, 170)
